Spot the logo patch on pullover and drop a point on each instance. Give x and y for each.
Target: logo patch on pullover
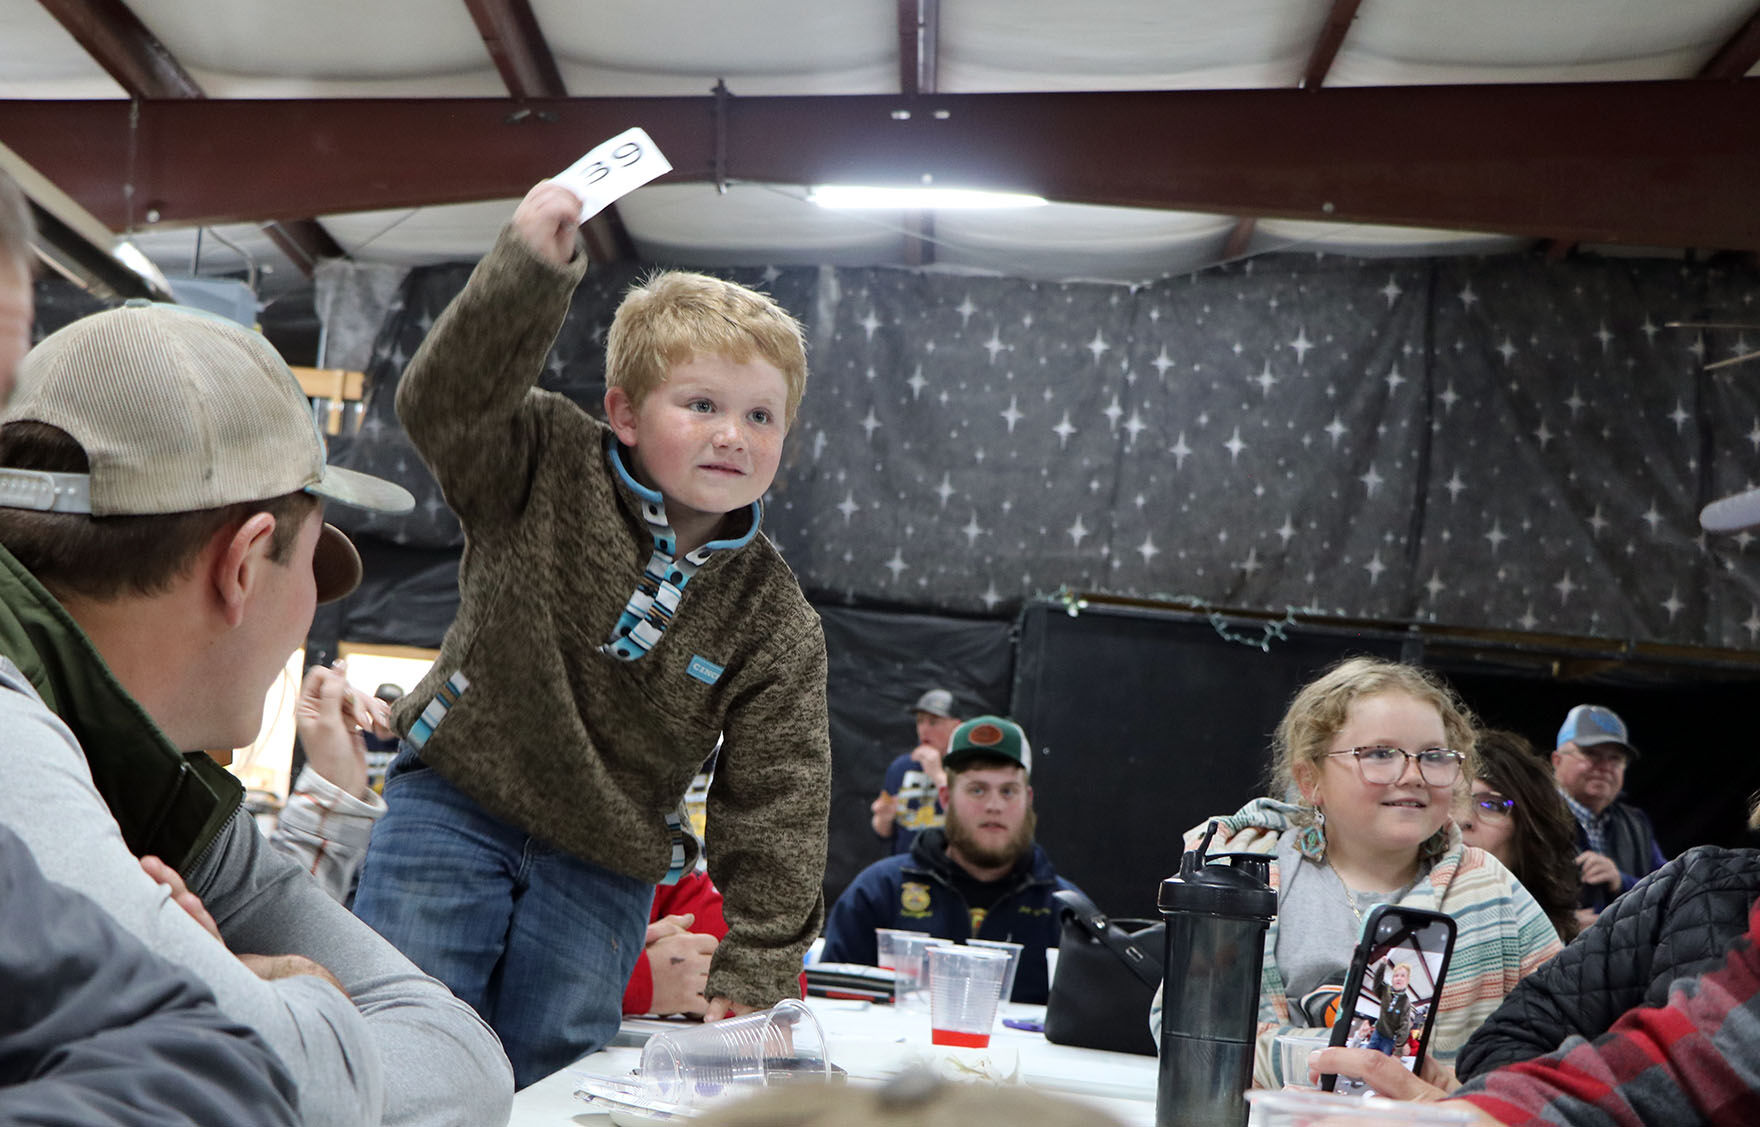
(705, 670)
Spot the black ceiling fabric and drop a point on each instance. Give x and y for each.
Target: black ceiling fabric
(1498, 442)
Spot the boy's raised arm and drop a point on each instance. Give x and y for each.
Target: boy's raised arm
(466, 399)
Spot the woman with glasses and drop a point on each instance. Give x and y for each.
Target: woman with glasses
(1367, 763)
(1514, 813)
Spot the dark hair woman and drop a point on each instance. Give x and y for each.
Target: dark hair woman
(1514, 813)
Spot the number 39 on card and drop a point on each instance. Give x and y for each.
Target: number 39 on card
(613, 170)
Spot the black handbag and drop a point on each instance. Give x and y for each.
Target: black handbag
(1107, 974)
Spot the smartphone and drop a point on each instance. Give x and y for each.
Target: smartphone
(1390, 995)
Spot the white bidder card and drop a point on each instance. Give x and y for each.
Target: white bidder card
(613, 170)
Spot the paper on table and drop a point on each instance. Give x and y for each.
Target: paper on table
(612, 170)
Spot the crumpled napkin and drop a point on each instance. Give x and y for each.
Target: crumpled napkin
(995, 1064)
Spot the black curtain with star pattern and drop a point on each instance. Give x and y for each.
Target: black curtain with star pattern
(1502, 442)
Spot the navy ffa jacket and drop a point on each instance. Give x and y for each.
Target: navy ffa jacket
(916, 892)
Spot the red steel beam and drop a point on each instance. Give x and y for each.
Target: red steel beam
(1732, 60)
(907, 48)
(116, 40)
(1601, 162)
(919, 32)
(1332, 33)
(1738, 54)
(1239, 238)
(528, 69)
(303, 241)
(510, 32)
(919, 25)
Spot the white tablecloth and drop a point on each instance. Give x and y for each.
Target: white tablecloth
(873, 1042)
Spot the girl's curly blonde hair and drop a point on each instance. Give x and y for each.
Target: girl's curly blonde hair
(1319, 709)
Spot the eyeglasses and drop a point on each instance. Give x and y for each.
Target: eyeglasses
(1437, 766)
(1492, 807)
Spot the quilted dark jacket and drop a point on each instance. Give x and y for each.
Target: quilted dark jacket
(1677, 922)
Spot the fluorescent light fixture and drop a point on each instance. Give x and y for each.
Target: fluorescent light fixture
(851, 197)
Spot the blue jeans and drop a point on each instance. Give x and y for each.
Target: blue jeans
(540, 942)
(1382, 1043)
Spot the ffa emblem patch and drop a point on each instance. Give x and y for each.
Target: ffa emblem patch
(914, 898)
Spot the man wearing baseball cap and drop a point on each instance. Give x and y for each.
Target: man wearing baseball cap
(1616, 843)
(981, 876)
(162, 547)
(909, 801)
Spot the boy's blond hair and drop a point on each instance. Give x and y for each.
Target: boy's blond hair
(674, 315)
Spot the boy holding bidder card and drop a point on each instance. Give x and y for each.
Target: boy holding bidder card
(619, 613)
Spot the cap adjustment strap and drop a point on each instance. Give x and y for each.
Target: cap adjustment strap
(45, 491)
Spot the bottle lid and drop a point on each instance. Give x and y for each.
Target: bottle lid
(1218, 890)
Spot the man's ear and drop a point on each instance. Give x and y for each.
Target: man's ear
(1556, 756)
(620, 412)
(239, 561)
(941, 793)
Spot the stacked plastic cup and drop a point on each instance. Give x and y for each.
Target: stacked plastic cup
(1013, 951)
(698, 1064)
(965, 985)
(885, 946)
(910, 972)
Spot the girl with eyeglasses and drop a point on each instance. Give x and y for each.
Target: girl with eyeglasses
(1367, 763)
(1514, 813)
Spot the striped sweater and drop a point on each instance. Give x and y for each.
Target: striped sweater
(1502, 934)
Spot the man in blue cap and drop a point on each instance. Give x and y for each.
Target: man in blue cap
(1616, 840)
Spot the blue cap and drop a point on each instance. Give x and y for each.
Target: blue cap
(1589, 724)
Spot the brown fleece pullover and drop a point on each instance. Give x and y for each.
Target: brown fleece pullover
(570, 744)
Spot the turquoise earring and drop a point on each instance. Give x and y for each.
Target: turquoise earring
(1311, 838)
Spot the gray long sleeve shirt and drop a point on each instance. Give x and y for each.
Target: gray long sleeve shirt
(98, 1031)
(397, 1049)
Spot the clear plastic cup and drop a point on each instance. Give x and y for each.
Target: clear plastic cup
(1295, 1048)
(910, 972)
(965, 984)
(885, 946)
(1291, 1107)
(696, 1065)
(1013, 951)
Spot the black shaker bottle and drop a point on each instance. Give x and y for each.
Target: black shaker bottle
(1216, 919)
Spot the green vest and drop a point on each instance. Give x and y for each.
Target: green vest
(169, 804)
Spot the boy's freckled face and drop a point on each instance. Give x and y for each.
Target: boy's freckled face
(710, 437)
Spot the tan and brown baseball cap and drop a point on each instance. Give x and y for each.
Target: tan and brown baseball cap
(178, 410)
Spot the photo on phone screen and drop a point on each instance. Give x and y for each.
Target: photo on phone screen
(1390, 994)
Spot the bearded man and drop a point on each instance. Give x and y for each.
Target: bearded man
(981, 876)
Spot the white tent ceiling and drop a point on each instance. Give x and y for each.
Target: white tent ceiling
(255, 49)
